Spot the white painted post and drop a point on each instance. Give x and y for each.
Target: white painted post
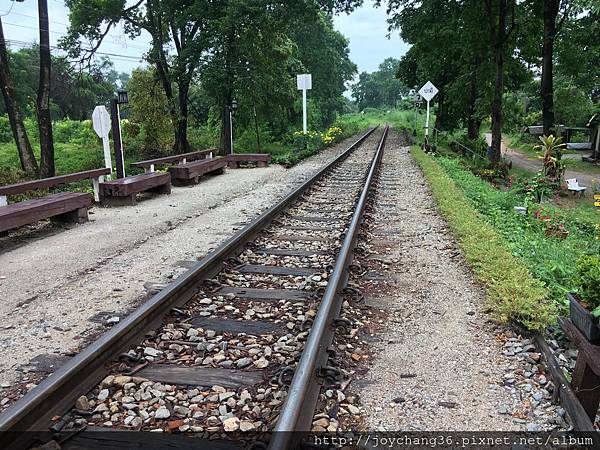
(184, 161)
(3, 200)
(96, 184)
(304, 112)
(101, 123)
(121, 139)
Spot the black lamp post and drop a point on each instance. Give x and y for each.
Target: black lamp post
(121, 99)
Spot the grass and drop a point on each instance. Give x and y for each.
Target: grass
(514, 294)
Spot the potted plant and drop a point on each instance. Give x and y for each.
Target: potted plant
(585, 305)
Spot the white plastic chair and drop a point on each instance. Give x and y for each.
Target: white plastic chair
(573, 186)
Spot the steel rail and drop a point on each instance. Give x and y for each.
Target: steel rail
(295, 415)
(57, 393)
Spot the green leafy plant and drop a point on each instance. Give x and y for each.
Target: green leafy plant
(551, 148)
(588, 279)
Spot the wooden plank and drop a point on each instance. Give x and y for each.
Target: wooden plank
(190, 156)
(197, 169)
(313, 219)
(123, 187)
(46, 183)
(294, 238)
(97, 438)
(265, 294)
(278, 270)
(200, 376)
(578, 415)
(289, 252)
(253, 327)
(31, 211)
(590, 350)
(299, 228)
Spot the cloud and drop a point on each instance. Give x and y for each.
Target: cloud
(366, 29)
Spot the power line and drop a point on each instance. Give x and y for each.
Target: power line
(9, 9)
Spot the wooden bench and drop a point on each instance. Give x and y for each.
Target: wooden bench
(261, 159)
(62, 206)
(123, 191)
(190, 173)
(150, 164)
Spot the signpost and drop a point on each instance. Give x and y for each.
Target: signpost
(428, 91)
(101, 123)
(304, 82)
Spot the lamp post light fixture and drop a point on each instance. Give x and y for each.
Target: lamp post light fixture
(122, 96)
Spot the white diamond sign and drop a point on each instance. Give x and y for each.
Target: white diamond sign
(428, 91)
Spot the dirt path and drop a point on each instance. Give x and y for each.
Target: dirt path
(59, 284)
(439, 364)
(522, 161)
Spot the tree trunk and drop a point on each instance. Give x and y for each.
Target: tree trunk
(499, 41)
(547, 87)
(26, 156)
(473, 122)
(47, 168)
(181, 141)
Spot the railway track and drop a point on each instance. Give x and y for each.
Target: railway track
(238, 343)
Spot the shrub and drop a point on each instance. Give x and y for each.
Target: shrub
(588, 279)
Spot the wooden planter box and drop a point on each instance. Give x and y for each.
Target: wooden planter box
(584, 320)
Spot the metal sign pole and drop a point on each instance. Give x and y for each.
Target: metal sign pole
(427, 121)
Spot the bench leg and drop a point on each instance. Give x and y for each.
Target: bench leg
(233, 165)
(78, 216)
(128, 200)
(163, 189)
(184, 181)
(586, 384)
(262, 163)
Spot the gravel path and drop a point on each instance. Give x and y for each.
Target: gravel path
(59, 284)
(438, 365)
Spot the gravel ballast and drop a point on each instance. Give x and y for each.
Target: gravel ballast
(439, 363)
(61, 284)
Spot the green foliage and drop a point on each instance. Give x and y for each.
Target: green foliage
(5, 130)
(512, 292)
(588, 279)
(380, 89)
(572, 104)
(149, 111)
(76, 132)
(551, 148)
(549, 258)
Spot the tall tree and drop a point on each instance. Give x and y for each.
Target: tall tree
(47, 168)
(26, 156)
(179, 42)
(501, 15)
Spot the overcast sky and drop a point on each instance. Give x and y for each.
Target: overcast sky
(365, 28)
